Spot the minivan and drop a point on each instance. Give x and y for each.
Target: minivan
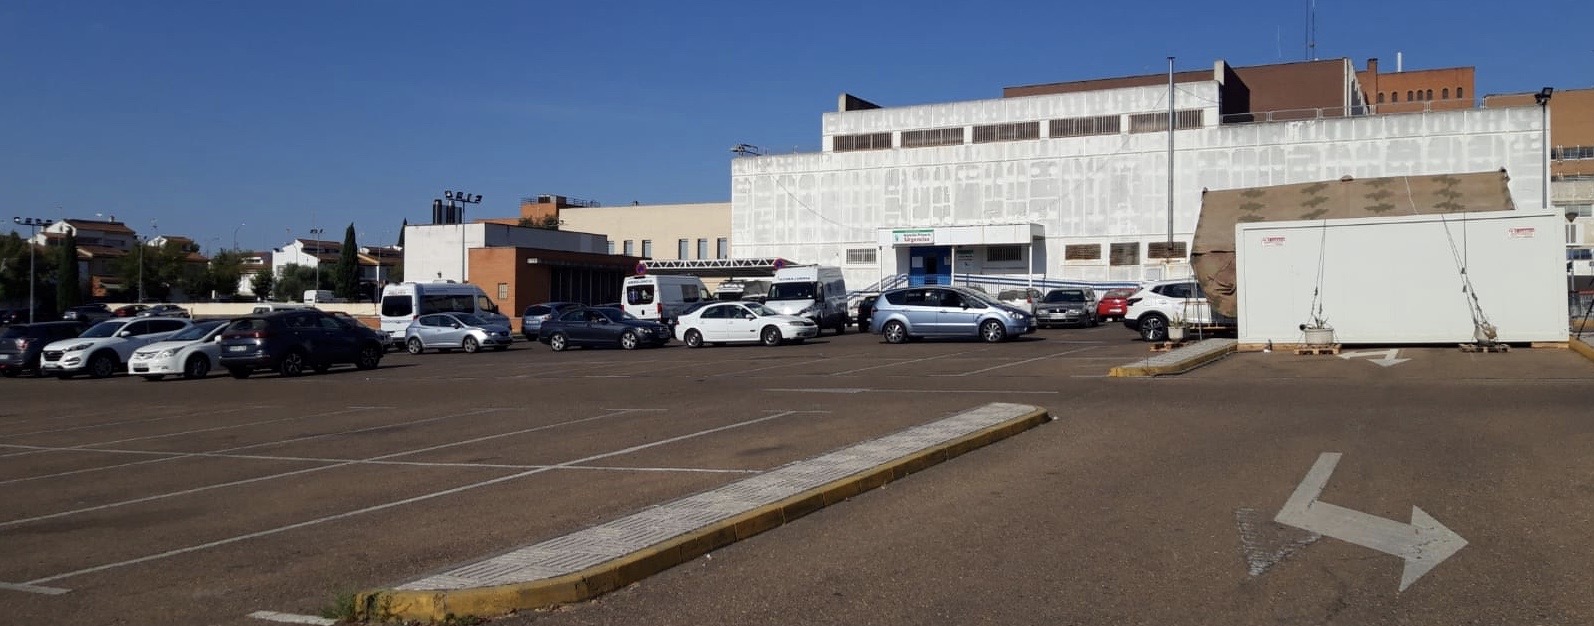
(912, 312)
(662, 297)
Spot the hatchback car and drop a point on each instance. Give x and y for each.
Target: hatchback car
(88, 313)
(129, 310)
(1073, 306)
(865, 311)
(104, 348)
(602, 327)
(1113, 304)
(446, 332)
(532, 318)
(164, 310)
(21, 345)
(1021, 299)
(191, 353)
(726, 322)
(291, 342)
(904, 314)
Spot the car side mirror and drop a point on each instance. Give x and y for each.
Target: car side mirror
(124, 334)
(750, 316)
(456, 325)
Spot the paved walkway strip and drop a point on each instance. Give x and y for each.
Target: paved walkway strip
(1177, 361)
(597, 560)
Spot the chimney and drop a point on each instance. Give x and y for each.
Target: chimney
(1372, 66)
(1400, 62)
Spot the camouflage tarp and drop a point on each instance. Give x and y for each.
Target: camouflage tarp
(1212, 250)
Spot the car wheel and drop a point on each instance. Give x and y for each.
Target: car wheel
(471, 345)
(102, 366)
(841, 327)
(694, 339)
(558, 342)
(895, 332)
(239, 372)
(197, 367)
(629, 341)
(291, 365)
(414, 345)
(370, 357)
(992, 331)
(1153, 327)
(154, 377)
(770, 336)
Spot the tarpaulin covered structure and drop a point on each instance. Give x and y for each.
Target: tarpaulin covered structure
(1212, 250)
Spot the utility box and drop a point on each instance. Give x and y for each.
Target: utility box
(1399, 280)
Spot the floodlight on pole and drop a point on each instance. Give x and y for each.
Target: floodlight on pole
(33, 224)
(1542, 98)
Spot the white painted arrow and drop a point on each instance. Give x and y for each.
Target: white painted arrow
(1424, 543)
(1388, 360)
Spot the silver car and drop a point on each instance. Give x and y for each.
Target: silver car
(904, 314)
(450, 331)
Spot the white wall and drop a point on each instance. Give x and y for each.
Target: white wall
(811, 208)
(433, 251)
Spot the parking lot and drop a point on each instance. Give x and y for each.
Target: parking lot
(1146, 501)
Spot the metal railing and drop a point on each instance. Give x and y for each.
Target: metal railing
(1580, 308)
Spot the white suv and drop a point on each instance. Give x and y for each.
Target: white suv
(105, 347)
(1157, 304)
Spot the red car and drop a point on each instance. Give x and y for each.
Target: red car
(1113, 304)
(129, 310)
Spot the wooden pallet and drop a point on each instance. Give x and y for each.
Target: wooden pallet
(1329, 349)
(1484, 347)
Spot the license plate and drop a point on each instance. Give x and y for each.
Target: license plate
(140, 368)
(5, 357)
(237, 348)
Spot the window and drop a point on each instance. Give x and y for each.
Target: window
(860, 255)
(951, 300)
(1410, 97)
(690, 293)
(639, 294)
(1444, 94)
(681, 249)
(1159, 250)
(1380, 97)
(932, 137)
(330, 323)
(1085, 126)
(575, 316)
(461, 303)
(503, 291)
(702, 248)
(1394, 96)
(630, 250)
(1428, 95)
(397, 306)
(722, 248)
(1582, 210)
(1082, 252)
(1568, 153)
(1459, 94)
(647, 248)
(1017, 131)
(1175, 290)
(611, 246)
(869, 141)
(1124, 254)
(1004, 254)
(1158, 122)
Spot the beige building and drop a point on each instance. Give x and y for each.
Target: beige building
(652, 231)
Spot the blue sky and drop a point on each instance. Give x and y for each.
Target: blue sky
(289, 114)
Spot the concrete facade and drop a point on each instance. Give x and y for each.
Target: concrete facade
(654, 231)
(438, 251)
(1571, 114)
(1085, 192)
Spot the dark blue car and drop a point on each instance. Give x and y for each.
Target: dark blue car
(601, 327)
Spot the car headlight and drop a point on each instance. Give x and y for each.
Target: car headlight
(797, 322)
(167, 353)
(79, 346)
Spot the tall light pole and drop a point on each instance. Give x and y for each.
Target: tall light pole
(1543, 100)
(33, 224)
(235, 236)
(143, 242)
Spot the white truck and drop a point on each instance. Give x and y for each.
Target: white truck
(817, 292)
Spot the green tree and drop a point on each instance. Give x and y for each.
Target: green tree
(262, 283)
(225, 269)
(165, 268)
(396, 275)
(68, 288)
(294, 281)
(346, 274)
(14, 272)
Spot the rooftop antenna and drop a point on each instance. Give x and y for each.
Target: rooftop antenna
(1311, 30)
(746, 149)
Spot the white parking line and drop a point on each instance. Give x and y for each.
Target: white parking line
(345, 461)
(760, 369)
(852, 390)
(1039, 358)
(138, 421)
(88, 446)
(928, 358)
(396, 503)
(291, 618)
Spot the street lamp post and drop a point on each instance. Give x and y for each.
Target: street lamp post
(33, 224)
(235, 236)
(143, 242)
(1542, 98)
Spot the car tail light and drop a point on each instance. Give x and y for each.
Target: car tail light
(660, 307)
(1132, 301)
(22, 343)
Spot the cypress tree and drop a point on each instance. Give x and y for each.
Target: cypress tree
(400, 243)
(346, 274)
(68, 293)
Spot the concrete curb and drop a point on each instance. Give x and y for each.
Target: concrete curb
(1578, 346)
(383, 604)
(1193, 356)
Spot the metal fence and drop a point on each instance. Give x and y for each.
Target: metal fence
(1580, 307)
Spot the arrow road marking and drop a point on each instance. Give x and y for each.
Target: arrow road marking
(1424, 543)
(1388, 360)
(1264, 544)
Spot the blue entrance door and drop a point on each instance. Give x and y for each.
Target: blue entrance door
(929, 265)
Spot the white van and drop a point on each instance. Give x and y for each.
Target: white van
(320, 296)
(403, 302)
(817, 292)
(661, 297)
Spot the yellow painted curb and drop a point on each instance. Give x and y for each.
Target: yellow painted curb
(383, 604)
(1138, 371)
(1578, 346)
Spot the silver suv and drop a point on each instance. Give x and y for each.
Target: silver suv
(904, 314)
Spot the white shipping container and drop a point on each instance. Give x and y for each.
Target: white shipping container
(1398, 280)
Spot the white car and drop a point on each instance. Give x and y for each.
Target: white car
(1158, 304)
(742, 321)
(191, 353)
(105, 347)
(1021, 299)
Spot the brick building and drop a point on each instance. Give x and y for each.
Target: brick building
(1444, 89)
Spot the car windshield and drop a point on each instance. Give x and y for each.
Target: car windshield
(102, 329)
(1061, 295)
(195, 332)
(791, 291)
(14, 332)
(469, 319)
(615, 314)
(759, 309)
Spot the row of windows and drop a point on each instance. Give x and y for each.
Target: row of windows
(683, 248)
(1021, 131)
(1563, 153)
(1126, 253)
(1413, 95)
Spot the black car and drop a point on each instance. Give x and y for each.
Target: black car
(289, 342)
(163, 310)
(866, 311)
(602, 327)
(10, 317)
(89, 313)
(21, 344)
